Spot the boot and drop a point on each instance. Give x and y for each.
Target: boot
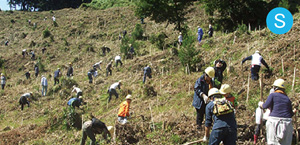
(255, 139)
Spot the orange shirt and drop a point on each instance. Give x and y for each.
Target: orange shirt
(231, 99)
(124, 109)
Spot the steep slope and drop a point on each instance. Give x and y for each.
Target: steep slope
(165, 118)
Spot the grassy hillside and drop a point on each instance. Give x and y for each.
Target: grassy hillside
(162, 107)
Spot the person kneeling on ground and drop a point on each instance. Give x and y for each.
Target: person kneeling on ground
(124, 110)
(91, 128)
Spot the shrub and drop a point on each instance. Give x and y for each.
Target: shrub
(138, 32)
(188, 55)
(1, 62)
(46, 33)
(124, 48)
(284, 4)
(40, 65)
(242, 28)
(71, 118)
(158, 40)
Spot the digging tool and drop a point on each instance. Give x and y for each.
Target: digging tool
(261, 87)
(297, 104)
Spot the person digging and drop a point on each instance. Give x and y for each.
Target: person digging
(92, 127)
(123, 113)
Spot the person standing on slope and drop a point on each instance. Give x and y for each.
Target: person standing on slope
(3, 81)
(200, 34)
(256, 61)
(279, 125)
(44, 84)
(202, 85)
(220, 66)
(70, 70)
(147, 73)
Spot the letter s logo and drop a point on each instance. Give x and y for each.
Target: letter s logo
(279, 20)
(276, 18)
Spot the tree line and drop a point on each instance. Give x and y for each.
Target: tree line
(44, 5)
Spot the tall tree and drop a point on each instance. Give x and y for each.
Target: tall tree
(170, 11)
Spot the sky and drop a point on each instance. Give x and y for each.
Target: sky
(4, 5)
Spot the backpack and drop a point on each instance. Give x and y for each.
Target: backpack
(222, 106)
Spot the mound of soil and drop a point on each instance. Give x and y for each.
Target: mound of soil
(23, 134)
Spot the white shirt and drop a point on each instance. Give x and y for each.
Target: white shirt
(24, 50)
(53, 18)
(77, 90)
(256, 59)
(180, 38)
(44, 81)
(114, 86)
(118, 57)
(26, 95)
(97, 64)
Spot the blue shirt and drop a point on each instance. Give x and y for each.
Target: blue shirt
(200, 87)
(147, 70)
(56, 73)
(77, 102)
(221, 121)
(200, 31)
(280, 105)
(36, 69)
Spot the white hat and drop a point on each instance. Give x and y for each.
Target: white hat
(80, 97)
(256, 51)
(109, 128)
(128, 97)
(213, 91)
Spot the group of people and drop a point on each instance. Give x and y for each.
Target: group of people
(200, 34)
(210, 93)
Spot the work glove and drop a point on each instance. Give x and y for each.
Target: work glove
(204, 139)
(260, 103)
(205, 98)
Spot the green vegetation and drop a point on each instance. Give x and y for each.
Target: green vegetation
(158, 40)
(79, 38)
(172, 12)
(138, 32)
(105, 4)
(46, 33)
(188, 55)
